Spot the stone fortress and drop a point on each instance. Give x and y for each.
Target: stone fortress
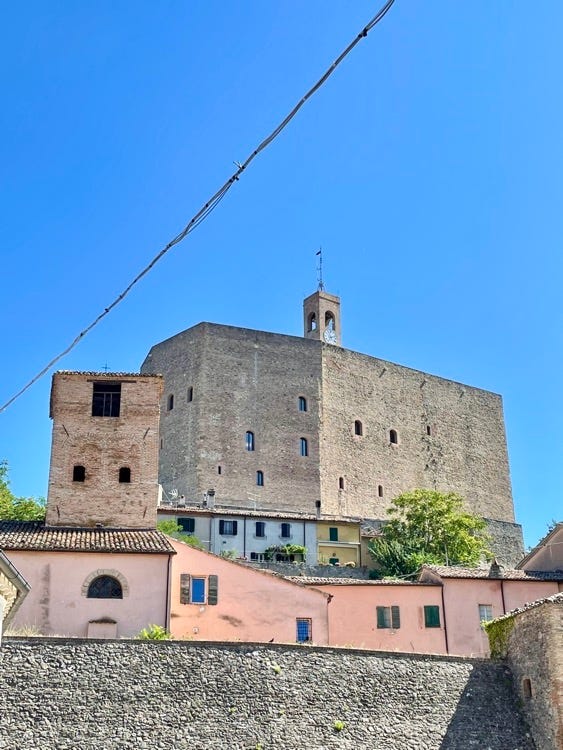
(280, 422)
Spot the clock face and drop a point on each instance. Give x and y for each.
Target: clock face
(329, 335)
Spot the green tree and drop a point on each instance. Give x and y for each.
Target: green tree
(14, 508)
(426, 526)
(172, 528)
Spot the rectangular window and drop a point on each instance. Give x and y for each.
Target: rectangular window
(304, 628)
(257, 557)
(260, 529)
(228, 528)
(389, 617)
(485, 612)
(106, 399)
(187, 525)
(198, 589)
(333, 534)
(285, 530)
(431, 616)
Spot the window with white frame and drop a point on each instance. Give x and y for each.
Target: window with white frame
(485, 612)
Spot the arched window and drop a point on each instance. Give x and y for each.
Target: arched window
(302, 403)
(105, 587)
(124, 475)
(190, 394)
(249, 441)
(380, 490)
(329, 319)
(312, 322)
(340, 483)
(393, 437)
(170, 403)
(358, 428)
(303, 447)
(78, 473)
(260, 478)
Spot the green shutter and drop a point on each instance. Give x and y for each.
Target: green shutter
(184, 588)
(381, 618)
(432, 616)
(395, 618)
(333, 534)
(212, 589)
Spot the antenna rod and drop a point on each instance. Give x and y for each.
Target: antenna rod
(320, 269)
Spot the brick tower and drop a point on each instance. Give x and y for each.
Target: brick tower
(104, 453)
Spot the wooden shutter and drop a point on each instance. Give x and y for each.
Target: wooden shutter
(381, 619)
(235, 524)
(184, 588)
(395, 618)
(431, 616)
(221, 527)
(212, 589)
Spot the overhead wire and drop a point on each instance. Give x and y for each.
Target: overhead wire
(210, 204)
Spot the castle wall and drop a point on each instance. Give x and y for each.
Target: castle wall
(61, 694)
(465, 451)
(243, 381)
(102, 445)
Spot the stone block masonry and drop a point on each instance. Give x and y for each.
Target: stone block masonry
(63, 695)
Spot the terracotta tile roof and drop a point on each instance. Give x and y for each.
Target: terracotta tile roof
(34, 535)
(103, 374)
(553, 599)
(507, 574)
(321, 581)
(178, 510)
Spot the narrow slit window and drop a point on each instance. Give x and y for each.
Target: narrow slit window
(170, 402)
(312, 325)
(340, 483)
(393, 437)
(428, 430)
(302, 403)
(358, 428)
(380, 490)
(78, 473)
(260, 478)
(190, 394)
(219, 470)
(250, 443)
(303, 447)
(124, 475)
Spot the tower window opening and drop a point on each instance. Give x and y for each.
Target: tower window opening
(312, 322)
(249, 441)
(380, 490)
(170, 403)
(260, 478)
(302, 403)
(303, 446)
(106, 399)
(393, 437)
(78, 473)
(124, 475)
(329, 320)
(219, 470)
(358, 428)
(428, 430)
(190, 394)
(340, 483)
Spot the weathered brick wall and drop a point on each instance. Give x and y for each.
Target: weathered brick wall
(169, 696)
(243, 381)
(465, 452)
(535, 654)
(103, 445)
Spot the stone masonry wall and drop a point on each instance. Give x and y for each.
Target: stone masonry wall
(507, 541)
(535, 653)
(103, 445)
(465, 451)
(173, 696)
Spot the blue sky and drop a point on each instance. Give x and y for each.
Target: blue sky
(428, 168)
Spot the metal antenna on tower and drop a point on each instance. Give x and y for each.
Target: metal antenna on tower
(320, 269)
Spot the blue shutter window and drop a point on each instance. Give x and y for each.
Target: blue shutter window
(304, 626)
(198, 591)
(286, 530)
(260, 529)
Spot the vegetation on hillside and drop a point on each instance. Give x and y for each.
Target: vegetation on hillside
(172, 528)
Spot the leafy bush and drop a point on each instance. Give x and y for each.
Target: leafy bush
(154, 633)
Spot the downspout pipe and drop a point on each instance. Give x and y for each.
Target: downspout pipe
(445, 622)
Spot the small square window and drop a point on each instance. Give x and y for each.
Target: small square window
(106, 399)
(187, 525)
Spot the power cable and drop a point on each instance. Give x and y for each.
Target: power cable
(211, 204)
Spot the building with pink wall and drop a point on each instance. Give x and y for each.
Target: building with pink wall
(216, 599)
(89, 582)
(472, 595)
(383, 615)
(548, 553)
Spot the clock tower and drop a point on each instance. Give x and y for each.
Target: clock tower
(321, 318)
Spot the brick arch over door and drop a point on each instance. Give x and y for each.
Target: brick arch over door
(105, 572)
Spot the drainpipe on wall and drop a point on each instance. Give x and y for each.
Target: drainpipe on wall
(244, 537)
(445, 623)
(502, 596)
(168, 603)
